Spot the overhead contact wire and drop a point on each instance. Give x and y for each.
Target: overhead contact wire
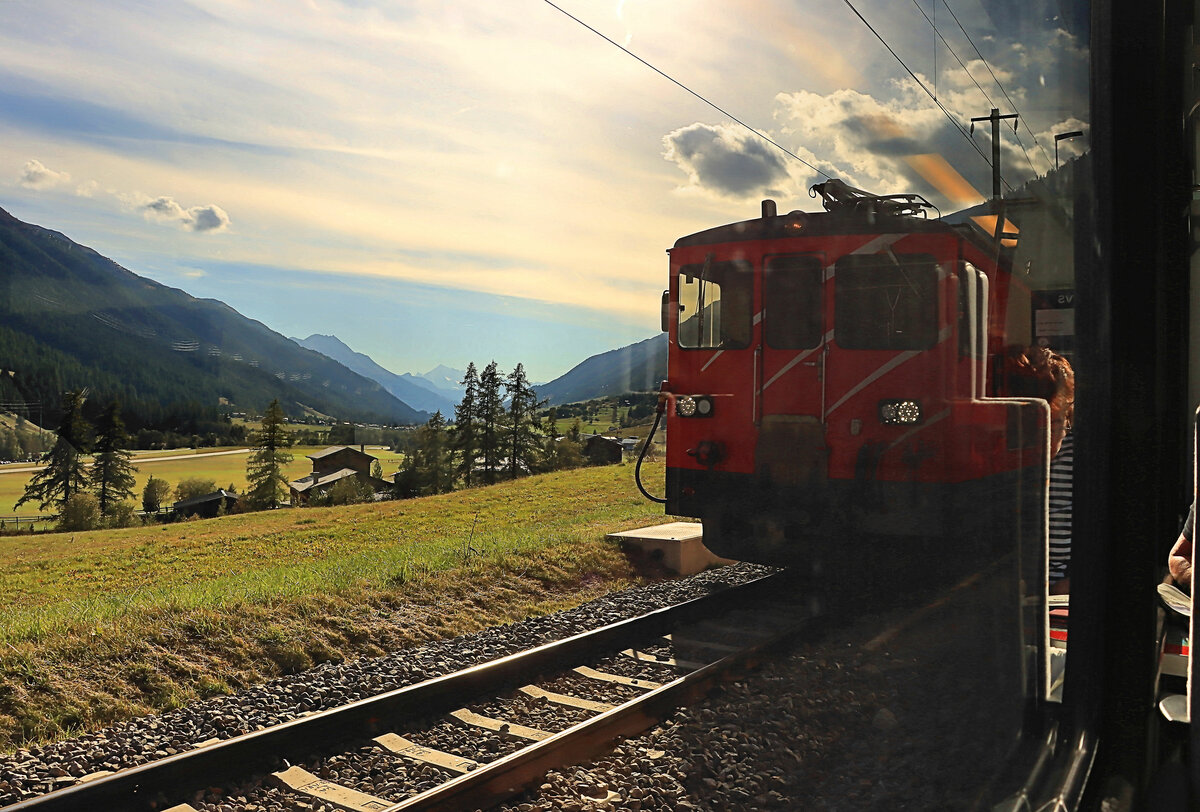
(1001, 86)
(949, 116)
(675, 81)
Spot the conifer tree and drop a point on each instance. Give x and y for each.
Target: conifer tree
(112, 472)
(523, 432)
(264, 470)
(490, 410)
(433, 464)
(65, 473)
(465, 440)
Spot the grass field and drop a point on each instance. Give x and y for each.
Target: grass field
(222, 465)
(104, 625)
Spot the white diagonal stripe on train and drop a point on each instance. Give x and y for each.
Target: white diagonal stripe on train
(883, 370)
(717, 354)
(799, 357)
(878, 243)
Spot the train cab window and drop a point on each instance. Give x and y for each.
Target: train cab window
(715, 303)
(885, 302)
(792, 302)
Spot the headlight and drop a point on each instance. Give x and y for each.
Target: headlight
(694, 406)
(899, 412)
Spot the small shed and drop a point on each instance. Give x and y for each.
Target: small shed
(206, 506)
(602, 450)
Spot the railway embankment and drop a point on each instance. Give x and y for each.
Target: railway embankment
(108, 626)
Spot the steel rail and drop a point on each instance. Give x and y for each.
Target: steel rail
(159, 784)
(499, 780)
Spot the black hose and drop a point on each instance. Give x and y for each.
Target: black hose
(637, 471)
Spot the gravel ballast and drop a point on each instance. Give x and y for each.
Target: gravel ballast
(847, 719)
(37, 770)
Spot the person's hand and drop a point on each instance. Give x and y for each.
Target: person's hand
(1179, 562)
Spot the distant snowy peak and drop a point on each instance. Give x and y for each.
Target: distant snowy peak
(414, 391)
(443, 377)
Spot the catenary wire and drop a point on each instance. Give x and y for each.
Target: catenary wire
(999, 85)
(971, 76)
(737, 120)
(949, 116)
(953, 53)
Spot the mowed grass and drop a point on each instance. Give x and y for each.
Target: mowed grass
(176, 465)
(104, 625)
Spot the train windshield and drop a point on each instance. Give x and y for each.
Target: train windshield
(885, 302)
(792, 302)
(715, 300)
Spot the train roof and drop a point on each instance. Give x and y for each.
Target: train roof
(818, 224)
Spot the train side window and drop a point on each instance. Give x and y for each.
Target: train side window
(715, 303)
(885, 302)
(792, 302)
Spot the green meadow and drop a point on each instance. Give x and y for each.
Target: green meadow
(104, 625)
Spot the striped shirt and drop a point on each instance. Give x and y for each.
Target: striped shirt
(1061, 474)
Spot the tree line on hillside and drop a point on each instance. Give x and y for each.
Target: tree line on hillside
(34, 398)
(500, 431)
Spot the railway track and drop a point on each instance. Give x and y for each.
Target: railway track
(473, 738)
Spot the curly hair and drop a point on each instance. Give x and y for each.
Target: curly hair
(1039, 372)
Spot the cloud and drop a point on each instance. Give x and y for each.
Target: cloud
(36, 176)
(210, 218)
(87, 188)
(728, 161)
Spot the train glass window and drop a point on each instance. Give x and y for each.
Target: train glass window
(885, 302)
(715, 300)
(792, 302)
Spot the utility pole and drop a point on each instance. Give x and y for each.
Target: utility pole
(995, 118)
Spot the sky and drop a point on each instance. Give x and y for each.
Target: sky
(447, 181)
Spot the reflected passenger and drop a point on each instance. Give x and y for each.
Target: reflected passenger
(1042, 373)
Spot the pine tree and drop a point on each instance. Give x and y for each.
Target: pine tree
(112, 473)
(490, 409)
(264, 470)
(434, 467)
(65, 473)
(465, 440)
(523, 435)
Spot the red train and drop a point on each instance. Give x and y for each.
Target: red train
(838, 373)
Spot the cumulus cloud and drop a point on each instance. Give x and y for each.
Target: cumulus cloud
(731, 162)
(890, 137)
(87, 188)
(210, 218)
(34, 175)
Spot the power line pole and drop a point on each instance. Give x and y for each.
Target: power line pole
(995, 118)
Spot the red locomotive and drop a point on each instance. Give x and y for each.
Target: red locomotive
(836, 373)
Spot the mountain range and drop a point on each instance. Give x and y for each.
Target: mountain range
(420, 392)
(71, 318)
(638, 367)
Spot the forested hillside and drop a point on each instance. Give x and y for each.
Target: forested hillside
(639, 367)
(70, 319)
